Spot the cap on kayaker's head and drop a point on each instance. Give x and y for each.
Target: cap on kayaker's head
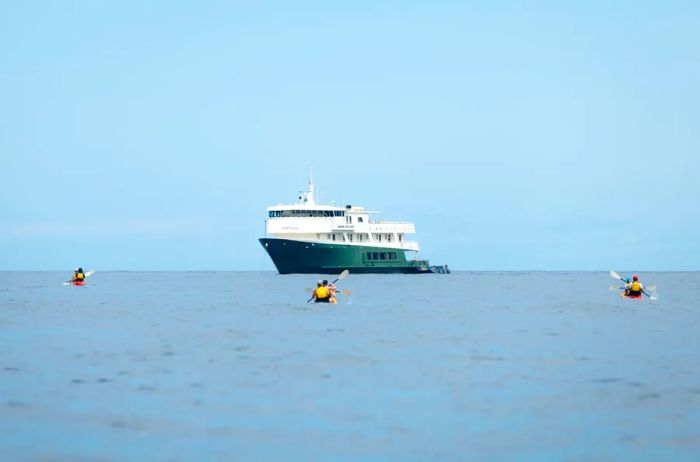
(628, 280)
(320, 282)
(635, 278)
(325, 282)
(80, 270)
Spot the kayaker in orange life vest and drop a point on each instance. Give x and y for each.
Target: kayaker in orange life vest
(322, 294)
(636, 288)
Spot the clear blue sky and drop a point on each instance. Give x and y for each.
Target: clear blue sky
(517, 135)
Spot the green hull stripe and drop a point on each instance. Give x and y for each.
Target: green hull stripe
(291, 256)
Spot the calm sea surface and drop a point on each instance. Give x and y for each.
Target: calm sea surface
(236, 366)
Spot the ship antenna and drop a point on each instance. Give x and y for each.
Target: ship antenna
(308, 196)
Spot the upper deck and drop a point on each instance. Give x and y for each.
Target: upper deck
(309, 221)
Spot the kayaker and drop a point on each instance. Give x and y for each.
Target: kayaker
(79, 275)
(321, 294)
(331, 290)
(636, 288)
(628, 286)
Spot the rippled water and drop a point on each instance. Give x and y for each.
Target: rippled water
(235, 366)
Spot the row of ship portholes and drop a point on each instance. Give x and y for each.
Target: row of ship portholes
(381, 255)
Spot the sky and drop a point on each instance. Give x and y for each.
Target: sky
(516, 135)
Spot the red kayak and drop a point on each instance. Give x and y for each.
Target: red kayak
(78, 283)
(633, 297)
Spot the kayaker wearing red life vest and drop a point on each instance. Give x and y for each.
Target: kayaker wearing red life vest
(636, 288)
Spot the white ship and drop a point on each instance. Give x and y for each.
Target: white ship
(307, 237)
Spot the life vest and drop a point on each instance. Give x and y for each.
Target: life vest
(322, 293)
(636, 288)
(79, 277)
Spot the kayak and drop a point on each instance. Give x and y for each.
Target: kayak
(77, 283)
(633, 297)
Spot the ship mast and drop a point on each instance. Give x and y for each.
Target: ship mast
(307, 198)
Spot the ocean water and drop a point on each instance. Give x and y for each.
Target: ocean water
(230, 366)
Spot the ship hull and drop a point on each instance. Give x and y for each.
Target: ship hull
(290, 256)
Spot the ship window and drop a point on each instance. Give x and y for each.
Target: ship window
(334, 236)
(380, 237)
(392, 255)
(382, 256)
(350, 237)
(359, 219)
(375, 256)
(400, 237)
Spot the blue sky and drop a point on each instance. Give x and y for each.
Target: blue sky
(517, 135)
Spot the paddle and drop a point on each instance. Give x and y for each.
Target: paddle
(614, 275)
(342, 275)
(616, 288)
(342, 292)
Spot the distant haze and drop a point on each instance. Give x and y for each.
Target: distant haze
(153, 135)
